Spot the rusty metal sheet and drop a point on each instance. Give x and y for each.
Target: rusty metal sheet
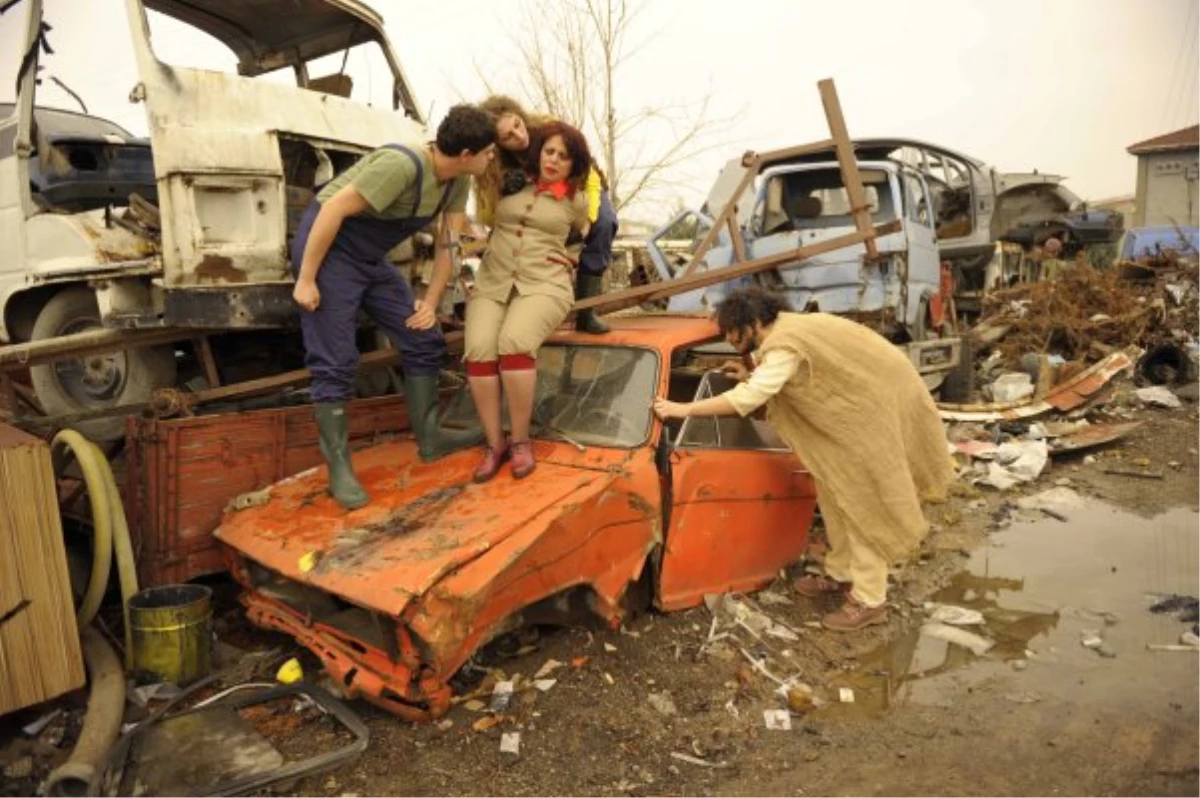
(1090, 437)
(1064, 397)
(425, 520)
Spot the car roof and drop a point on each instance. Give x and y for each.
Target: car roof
(665, 332)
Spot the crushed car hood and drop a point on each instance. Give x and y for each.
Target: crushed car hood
(425, 521)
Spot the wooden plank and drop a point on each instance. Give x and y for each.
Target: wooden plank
(727, 213)
(739, 244)
(845, 155)
(207, 361)
(40, 655)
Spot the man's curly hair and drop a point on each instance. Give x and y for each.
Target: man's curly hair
(745, 306)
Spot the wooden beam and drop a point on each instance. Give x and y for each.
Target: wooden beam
(92, 342)
(739, 244)
(207, 361)
(631, 297)
(727, 213)
(845, 155)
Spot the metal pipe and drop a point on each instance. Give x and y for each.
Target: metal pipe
(101, 724)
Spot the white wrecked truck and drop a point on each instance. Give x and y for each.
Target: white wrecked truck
(188, 228)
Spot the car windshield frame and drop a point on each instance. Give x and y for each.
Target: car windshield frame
(623, 391)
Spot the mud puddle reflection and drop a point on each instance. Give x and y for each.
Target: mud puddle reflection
(1043, 588)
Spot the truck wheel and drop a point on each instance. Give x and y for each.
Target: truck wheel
(959, 385)
(97, 381)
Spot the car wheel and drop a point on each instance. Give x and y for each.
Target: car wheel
(97, 381)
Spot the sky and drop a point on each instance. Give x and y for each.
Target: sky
(1062, 87)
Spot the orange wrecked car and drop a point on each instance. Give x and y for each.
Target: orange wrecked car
(622, 513)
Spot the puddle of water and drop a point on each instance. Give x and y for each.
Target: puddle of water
(1041, 587)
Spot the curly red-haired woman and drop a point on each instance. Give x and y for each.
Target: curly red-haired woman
(524, 290)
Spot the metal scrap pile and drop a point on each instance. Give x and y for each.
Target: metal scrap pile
(1087, 314)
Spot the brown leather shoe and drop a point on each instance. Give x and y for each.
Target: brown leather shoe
(522, 459)
(817, 585)
(492, 460)
(854, 615)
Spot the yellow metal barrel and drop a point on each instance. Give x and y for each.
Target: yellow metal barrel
(172, 633)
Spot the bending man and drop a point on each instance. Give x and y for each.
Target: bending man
(339, 258)
(859, 417)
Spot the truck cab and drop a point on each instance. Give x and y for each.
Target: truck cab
(189, 225)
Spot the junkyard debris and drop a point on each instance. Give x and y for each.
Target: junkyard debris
(960, 637)
(550, 666)
(845, 695)
(510, 743)
(777, 719)
(502, 694)
(955, 616)
(695, 760)
(662, 703)
(290, 672)
(1158, 396)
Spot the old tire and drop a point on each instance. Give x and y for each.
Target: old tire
(959, 385)
(98, 381)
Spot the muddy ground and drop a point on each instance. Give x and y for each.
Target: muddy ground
(1038, 713)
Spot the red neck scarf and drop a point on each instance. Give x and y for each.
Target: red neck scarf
(558, 189)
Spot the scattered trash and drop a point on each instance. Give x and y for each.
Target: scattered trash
(487, 722)
(290, 672)
(960, 637)
(1016, 462)
(502, 695)
(1158, 396)
(1012, 386)
(732, 709)
(308, 562)
(445, 724)
(662, 703)
(510, 743)
(1126, 472)
(608, 678)
(579, 662)
(1170, 647)
(159, 691)
(475, 705)
(771, 598)
(845, 695)
(548, 668)
(610, 648)
(1190, 639)
(800, 699)
(695, 760)
(544, 685)
(1187, 608)
(1090, 436)
(1092, 640)
(953, 615)
(35, 728)
(1058, 502)
(777, 719)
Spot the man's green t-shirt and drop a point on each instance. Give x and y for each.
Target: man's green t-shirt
(387, 180)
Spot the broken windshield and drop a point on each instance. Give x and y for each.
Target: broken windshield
(591, 395)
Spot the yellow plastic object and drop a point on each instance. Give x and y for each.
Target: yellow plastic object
(308, 562)
(172, 633)
(290, 672)
(111, 532)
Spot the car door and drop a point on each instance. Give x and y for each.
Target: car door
(741, 506)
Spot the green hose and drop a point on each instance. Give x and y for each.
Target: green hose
(111, 533)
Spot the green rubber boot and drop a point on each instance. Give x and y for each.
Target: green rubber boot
(433, 441)
(587, 286)
(334, 429)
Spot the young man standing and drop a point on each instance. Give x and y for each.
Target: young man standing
(338, 256)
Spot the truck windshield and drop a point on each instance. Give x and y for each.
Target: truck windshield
(593, 395)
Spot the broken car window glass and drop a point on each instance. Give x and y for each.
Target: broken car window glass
(593, 395)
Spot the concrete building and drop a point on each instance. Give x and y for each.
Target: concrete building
(1166, 179)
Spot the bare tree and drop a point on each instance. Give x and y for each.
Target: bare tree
(573, 59)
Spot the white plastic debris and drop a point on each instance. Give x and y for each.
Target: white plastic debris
(502, 693)
(1158, 396)
(845, 695)
(953, 615)
(544, 684)
(550, 667)
(1059, 501)
(960, 637)
(1012, 386)
(510, 743)
(1016, 462)
(610, 648)
(777, 719)
(35, 728)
